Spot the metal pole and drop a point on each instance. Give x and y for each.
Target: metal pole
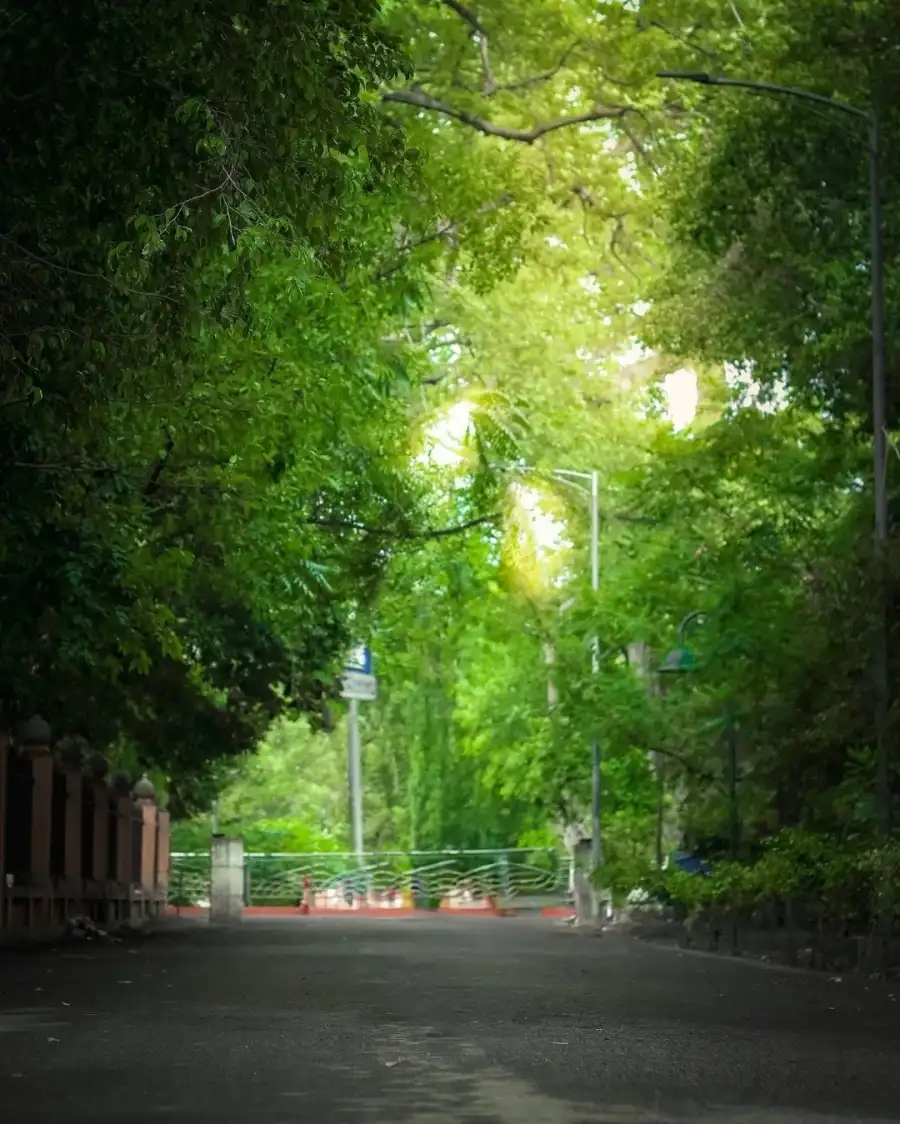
(215, 817)
(881, 662)
(734, 821)
(596, 773)
(595, 544)
(879, 428)
(354, 762)
(734, 818)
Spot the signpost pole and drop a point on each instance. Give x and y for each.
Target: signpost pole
(358, 685)
(354, 761)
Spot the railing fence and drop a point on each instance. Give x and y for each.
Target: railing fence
(384, 878)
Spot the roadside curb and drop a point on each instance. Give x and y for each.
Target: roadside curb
(747, 960)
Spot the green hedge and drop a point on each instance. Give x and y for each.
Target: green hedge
(851, 880)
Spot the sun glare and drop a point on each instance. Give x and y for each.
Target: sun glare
(445, 438)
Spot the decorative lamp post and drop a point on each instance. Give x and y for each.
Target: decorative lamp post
(681, 660)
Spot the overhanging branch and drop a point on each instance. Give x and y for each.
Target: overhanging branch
(688, 766)
(468, 15)
(421, 99)
(537, 79)
(405, 536)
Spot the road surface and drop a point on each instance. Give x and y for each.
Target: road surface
(432, 1020)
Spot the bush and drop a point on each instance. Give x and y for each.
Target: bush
(845, 882)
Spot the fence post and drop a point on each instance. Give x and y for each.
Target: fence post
(226, 892)
(248, 881)
(504, 878)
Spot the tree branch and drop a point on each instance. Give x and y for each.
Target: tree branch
(93, 469)
(447, 229)
(688, 766)
(458, 528)
(480, 39)
(152, 484)
(10, 402)
(409, 536)
(479, 35)
(421, 99)
(686, 41)
(536, 79)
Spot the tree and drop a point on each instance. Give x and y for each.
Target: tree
(768, 208)
(202, 421)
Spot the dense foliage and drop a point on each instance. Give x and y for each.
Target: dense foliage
(201, 414)
(301, 307)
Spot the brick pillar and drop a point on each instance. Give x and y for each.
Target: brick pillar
(74, 793)
(123, 814)
(163, 853)
(148, 845)
(4, 762)
(101, 852)
(34, 737)
(41, 807)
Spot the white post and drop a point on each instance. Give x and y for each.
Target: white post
(354, 763)
(226, 895)
(585, 894)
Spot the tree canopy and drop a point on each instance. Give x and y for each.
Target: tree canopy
(303, 307)
(200, 407)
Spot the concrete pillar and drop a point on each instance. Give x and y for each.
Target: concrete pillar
(74, 791)
(585, 896)
(226, 897)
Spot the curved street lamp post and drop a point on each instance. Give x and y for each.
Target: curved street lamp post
(679, 661)
(879, 400)
(578, 480)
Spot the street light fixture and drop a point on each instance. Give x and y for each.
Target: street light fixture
(680, 660)
(592, 479)
(879, 400)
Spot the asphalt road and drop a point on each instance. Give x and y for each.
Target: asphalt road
(427, 1020)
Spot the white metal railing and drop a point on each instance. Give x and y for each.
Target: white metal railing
(387, 878)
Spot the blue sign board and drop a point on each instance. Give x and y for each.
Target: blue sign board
(360, 659)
